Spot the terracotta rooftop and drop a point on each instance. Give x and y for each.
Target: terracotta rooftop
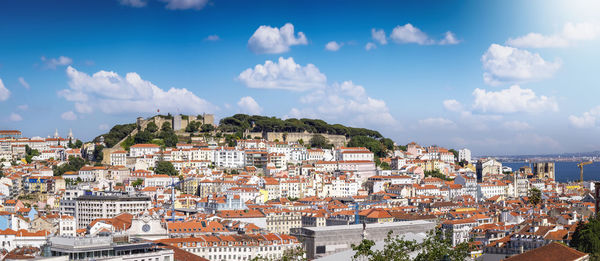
(551, 252)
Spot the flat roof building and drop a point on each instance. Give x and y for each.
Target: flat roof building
(322, 241)
(91, 207)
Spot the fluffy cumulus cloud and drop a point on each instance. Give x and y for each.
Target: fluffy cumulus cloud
(69, 116)
(449, 38)
(409, 34)
(133, 3)
(23, 107)
(4, 93)
(341, 102)
(111, 93)
(267, 39)
(249, 105)
(52, 63)
(504, 64)
(437, 123)
(571, 33)
(378, 36)
(185, 4)
(346, 101)
(24, 83)
(453, 105)
(512, 100)
(283, 74)
(15, 117)
(588, 119)
(333, 46)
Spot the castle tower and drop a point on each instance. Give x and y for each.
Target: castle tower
(71, 135)
(56, 133)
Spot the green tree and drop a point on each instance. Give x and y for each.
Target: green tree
(586, 238)
(372, 144)
(74, 164)
(30, 153)
(436, 174)
(142, 137)
(169, 137)
(387, 143)
(98, 155)
(535, 196)
(117, 133)
(165, 167)
(436, 246)
(207, 128)
(151, 127)
(127, 143)
(78, 144)
(385, 166)
(318, 141)
(137, 183)
(455, 153)
(166, 126)
(194, 126)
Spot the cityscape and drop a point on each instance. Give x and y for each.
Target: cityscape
(175, 130)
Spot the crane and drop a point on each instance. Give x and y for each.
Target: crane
(173, 185)
(580, 166)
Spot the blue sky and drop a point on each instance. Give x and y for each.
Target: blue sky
(499, 77)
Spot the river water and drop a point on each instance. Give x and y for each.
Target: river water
(566, 171)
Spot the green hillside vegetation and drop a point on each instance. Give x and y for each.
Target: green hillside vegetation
(256, 123)
(116, 134)
(239, 123)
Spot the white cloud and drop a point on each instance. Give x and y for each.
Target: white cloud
(516, 125)
(333, 46)
(571, 33)
(503, 64)
(23, 107)
(512, 100)
(52, 63)
(68, 116)
(24, 83)
(284, 74)
(438, 123)
(587, 120)
(249, 105)
(185, 4)
(378, 35)
(345, 101)
(581, 31)
(267, 39)
(113, 94)
(4, 93)
(449, 38)
(103, 126)
(133, 3)
(15, 117)
(213, 38)
(83, 108)
(410, 34)
(453, 105)
(369, 46)
(535, 40)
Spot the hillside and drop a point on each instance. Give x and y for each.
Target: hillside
(256, 123)
(314, 132)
